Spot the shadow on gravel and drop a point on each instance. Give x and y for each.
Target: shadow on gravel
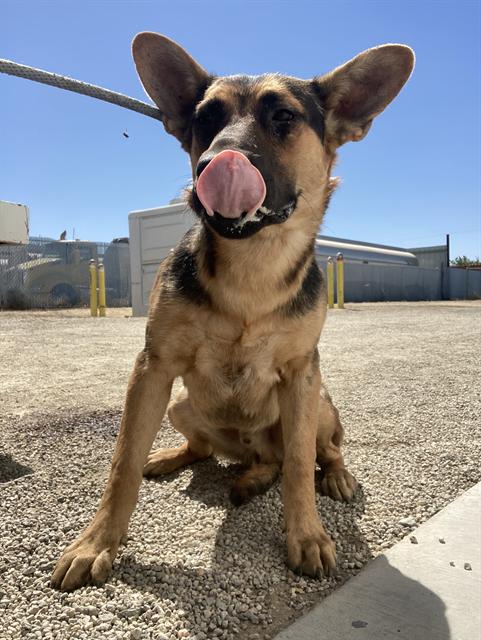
(10, 469)
(249, 550)
(208, 483)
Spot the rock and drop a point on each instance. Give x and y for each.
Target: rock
(359, 624)
(408, 522)
(130, 613)
(106, 617)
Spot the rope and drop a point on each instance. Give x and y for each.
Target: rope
(69, 84)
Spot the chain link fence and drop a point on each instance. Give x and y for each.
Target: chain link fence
(49, 273)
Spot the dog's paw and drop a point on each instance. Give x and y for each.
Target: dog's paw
(88, 560)
(339, 485)
(163, 461)
(311, 552)
(245, 491)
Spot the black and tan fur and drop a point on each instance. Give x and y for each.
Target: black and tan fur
(237, 311)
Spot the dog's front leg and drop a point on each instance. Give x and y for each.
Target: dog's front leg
(310, 550)
(90, 557)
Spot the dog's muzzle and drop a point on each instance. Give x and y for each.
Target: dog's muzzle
(231, 186)
(232, 193)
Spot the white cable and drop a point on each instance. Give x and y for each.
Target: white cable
(69, 84)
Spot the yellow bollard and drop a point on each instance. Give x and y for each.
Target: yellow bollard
(340, 281)
(102, 304)
(330, 283)
(93, 288)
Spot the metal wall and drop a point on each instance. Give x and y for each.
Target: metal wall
(379, 283)
(431, 257)
(463, 284)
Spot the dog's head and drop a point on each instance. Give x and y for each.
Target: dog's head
(262, 147)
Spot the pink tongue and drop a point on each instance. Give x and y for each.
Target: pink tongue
(230, 185)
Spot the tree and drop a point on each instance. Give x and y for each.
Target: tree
(464, 261)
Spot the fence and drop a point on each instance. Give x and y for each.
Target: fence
(378, 283)
(46, 273)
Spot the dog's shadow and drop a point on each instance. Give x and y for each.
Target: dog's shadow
(249, 550)
(249, 556)
(11, 470)
(208, 482)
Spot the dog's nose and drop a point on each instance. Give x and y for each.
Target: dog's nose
(207, 157)
(201, 165)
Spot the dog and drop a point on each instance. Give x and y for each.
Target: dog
(238, 306)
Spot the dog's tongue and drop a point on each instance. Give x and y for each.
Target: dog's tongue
(231, 185)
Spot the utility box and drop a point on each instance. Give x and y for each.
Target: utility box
(13, 223)
(153, 233)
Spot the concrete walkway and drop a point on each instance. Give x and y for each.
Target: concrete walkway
(426, 587)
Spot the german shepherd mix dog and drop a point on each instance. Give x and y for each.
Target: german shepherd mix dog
(238, 306)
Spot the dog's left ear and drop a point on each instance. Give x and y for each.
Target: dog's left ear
(172, 78)
(359, 90)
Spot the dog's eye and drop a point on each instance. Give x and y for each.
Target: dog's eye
(283, 115)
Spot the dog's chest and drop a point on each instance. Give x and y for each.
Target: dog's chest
(234, 382)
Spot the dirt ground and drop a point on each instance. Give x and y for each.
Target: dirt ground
(405, 377)
(65, 361)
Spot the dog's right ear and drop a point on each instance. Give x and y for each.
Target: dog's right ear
(172, 78)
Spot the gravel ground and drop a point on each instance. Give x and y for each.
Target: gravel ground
(406, 380)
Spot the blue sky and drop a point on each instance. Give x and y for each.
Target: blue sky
(413, 179)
